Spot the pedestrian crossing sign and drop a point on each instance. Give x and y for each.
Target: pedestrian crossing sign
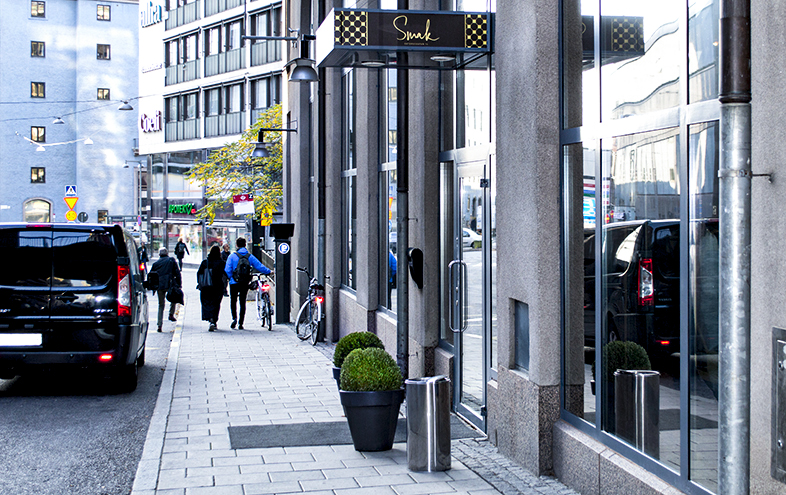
(70, 191)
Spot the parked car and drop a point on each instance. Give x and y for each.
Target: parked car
(470, 238)
(72, 295)
(641, 285)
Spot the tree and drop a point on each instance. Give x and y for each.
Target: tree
(230, 170)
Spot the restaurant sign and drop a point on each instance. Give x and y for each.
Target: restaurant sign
(401, 30)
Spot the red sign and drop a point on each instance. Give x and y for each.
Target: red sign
(241, 198)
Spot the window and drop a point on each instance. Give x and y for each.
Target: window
(348, 183)
(102, 12)
(37, 211)
(37, 90)
(37, 49)
(38, 9)
(37, 175)
(102, 52)
(103, 93)
(38, 134)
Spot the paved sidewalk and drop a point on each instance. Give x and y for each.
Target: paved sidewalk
(214, 380)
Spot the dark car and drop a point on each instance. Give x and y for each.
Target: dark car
(71, 295)
(640, 284)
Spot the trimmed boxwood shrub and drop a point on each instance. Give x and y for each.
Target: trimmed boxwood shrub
(368, 370)
(355, 340)
(619, 355)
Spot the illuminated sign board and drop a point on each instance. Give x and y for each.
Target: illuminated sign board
(186, 209)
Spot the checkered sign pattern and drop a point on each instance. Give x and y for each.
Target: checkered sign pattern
(475, 31)
(351, 28)
(626, 35)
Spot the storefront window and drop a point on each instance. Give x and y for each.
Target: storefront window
(191, 235)
(388, 224)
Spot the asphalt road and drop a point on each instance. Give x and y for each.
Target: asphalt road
(70, 434)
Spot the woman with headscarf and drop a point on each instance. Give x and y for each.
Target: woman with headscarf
(211, 295)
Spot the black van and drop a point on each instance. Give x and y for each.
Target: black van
(641, 284)
(71, 295)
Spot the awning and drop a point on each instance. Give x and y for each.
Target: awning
(438, 40)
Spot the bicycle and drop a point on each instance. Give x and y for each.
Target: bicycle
(262, 297)
(310, 314)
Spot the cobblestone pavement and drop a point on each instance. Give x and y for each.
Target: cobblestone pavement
(214, 380)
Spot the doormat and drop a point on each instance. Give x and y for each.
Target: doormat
(311, 434)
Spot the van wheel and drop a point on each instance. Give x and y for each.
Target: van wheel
(127, 378)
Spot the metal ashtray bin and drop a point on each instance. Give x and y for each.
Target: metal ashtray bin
(428, 423)
(637, 409)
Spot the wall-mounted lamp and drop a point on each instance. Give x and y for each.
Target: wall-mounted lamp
(260, 148)
(303, 70)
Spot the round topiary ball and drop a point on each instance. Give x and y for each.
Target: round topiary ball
(356, 340)
(619, 355)
(368, 370)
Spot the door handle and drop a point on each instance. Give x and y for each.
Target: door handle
(67, 297)
(456, 303)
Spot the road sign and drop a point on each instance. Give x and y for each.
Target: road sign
(71, 201)
(70, 191)
(82, 216)
(70, 215)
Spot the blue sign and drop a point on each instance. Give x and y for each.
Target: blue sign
(70, 191)
(283, 248)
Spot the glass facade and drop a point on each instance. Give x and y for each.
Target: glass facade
(640, 229)
(348, 181)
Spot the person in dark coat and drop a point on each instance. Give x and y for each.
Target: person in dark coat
(211, 296)
(181, 250)
(142, 252)
(168, 276)
(225, 252)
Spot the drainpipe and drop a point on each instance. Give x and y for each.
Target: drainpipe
(735, 245)
(402, 208)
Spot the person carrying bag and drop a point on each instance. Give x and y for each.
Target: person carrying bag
(210, 282)
(168, 275)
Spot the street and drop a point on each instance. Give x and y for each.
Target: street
(69, 434)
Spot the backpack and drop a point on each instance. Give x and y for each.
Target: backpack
(242, 272)
(180, 249)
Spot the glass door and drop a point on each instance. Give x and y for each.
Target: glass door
(469, 288)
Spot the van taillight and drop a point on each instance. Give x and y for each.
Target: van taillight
(646, 285)
(123, 291)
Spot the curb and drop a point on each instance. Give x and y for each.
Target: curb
(146, 479)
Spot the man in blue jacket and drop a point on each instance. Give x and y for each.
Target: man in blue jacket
(239, 265)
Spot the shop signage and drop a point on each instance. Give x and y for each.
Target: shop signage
(151, 124)
(401, 30)
(186, 209)
(151, 14)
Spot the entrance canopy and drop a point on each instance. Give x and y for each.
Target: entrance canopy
(431, 39)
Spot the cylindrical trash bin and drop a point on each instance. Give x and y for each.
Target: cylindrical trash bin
(637, 409)
(428, 423)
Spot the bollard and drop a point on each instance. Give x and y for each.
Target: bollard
(428, 423)
(637, 409)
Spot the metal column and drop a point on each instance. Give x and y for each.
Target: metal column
(735, 248)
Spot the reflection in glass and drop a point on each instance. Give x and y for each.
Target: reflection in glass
(157, 189)
(178, 166)
(579, 256)
(640, 253)
(473, 108)
(639, 39)
(492, 228)
(703, 319)
(446, 215)
(37, 211)
(580, 79)
(703, 38)
(389, 264)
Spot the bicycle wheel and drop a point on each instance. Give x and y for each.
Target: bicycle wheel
(314, 322)
(260, 305)
(268, 313)
(303, 325)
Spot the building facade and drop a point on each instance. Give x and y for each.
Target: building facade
(564, 193)
(203, 85)
(74, 63)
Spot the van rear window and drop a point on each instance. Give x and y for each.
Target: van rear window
(26, 257)
(83, 259)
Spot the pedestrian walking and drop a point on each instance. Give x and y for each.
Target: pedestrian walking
(210, 280)
(181, 250)
(238, 269)
(168, 276)
(142, 253)
(225, 252)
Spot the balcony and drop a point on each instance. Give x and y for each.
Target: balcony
(182, 15)
(223, 62)
(182, 130)
(265, 52)
(226, 124)
(215, 6)
(182, 72)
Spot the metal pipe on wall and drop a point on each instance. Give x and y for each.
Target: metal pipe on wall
(735, 249)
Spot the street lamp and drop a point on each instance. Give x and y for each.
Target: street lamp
(303, 70)
(260, 147)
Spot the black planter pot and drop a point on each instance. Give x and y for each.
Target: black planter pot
(337, 376)
(372, 417)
